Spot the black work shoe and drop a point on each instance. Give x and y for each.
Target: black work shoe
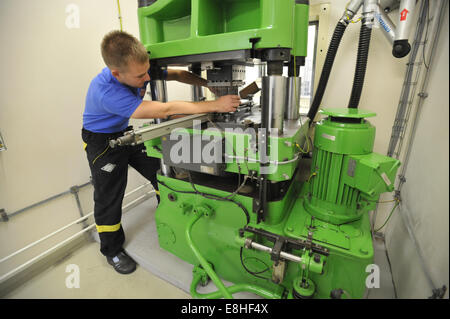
(122, 263)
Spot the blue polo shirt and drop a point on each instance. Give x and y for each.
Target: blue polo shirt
(109, 104)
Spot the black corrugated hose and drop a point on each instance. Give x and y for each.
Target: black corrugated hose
(361, 64)
(331, 54)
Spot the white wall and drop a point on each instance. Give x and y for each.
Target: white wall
(46, 70)
(384, 75)
(425, 195)
(425, 205)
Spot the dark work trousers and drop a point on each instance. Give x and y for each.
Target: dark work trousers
(109, 171)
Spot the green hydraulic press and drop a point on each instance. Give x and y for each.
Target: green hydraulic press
(247, 196)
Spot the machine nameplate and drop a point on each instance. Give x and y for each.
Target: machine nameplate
(329, 137)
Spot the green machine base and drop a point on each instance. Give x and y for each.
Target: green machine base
(318, 244)
(217, 235)
(300, 231)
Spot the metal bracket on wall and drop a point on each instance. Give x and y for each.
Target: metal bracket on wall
(2, 143)
(4, 215)
(75, 190)
(438, 293)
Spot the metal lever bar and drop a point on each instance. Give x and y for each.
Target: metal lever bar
(139, 136)
(249, 243)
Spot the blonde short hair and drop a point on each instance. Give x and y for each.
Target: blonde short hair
(119, 48)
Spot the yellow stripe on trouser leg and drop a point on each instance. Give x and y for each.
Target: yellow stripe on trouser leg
(157, 192)
(107, 228)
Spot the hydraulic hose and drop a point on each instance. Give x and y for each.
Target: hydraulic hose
(265, 293)
(326, 70)
(361, 65)
(209, 270)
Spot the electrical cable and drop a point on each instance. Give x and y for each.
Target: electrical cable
(248, 220)
(386, 201)
(258, 272)
(382, 202)
(210, 196)
(390, 214)
(228, 197)
(107, 148)
(234, 154)
(390, 269)
(298, 106)
(120, 15)
(311, 176)
(249, 271)
(427, 3)
(215, 197)
(237, 162)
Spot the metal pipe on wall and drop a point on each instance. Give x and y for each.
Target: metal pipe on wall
(65, 227)
(405, 95)
(387, 25)
(439, 12)
(48, 251)
(72, 190)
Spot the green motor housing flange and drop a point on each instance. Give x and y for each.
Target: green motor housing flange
(347, 178)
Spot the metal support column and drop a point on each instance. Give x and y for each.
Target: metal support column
(158, 91)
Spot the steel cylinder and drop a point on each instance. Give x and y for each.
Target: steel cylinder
(197, 93)
(292, 111)
(273, 102)
(158, 92)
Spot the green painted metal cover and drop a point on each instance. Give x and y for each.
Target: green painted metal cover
(173, 28)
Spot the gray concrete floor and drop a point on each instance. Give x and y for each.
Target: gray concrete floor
(97, 280)
(159, 274)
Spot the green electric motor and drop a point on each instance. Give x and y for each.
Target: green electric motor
(347, 178)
